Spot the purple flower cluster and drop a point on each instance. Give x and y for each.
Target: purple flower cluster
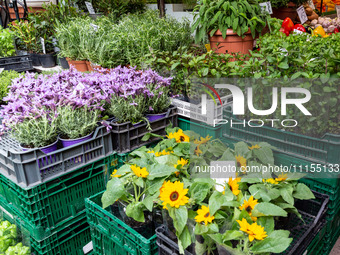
(32, 96)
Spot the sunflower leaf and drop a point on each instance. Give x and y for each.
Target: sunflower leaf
(180, 217)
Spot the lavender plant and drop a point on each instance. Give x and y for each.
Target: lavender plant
(36, 132)
(76, 123)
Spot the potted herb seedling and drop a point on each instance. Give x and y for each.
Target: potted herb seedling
(128, 109)
(76, 125)
(6, 43)
(231, 25)
(38, 132)
(158, 103)
(26, 35)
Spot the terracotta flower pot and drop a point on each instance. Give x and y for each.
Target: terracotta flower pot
(91, 67)
(232, 42)
(80, 65)
(285, 12)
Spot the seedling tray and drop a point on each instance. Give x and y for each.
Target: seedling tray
(17, 63)
(33, 167)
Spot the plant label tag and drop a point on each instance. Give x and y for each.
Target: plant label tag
(311, 4)
(267, 7)
(95, 27)
(337, 7)
(90, 8)
(297, 32)
(207, 46)
(1, 70)
(43, 44)
(302, 14)
(87, 248)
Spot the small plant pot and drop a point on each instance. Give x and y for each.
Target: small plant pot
(153, 117)
(64, 63)
(50, 148)
(232, 43)
(46, 149)
(79, 65)
(35, 59)
(47, 60)
(146, 228)
(70, 142)
(22, 52)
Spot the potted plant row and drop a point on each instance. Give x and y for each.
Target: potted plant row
(67, 106)
(233, 217)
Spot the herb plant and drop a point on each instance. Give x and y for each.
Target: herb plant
(6, 78)
(238, 15)
(76, 123)
(36, 132)
(6, 43)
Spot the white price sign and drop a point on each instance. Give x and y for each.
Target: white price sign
(267, 7)
(302, 14)
(90, 8)
(311, 4)
(43, 44)
(337, 7)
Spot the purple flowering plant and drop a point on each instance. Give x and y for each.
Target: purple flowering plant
(41, 96)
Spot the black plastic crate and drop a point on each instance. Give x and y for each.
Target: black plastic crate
(33, 167)
(127, 137)
(303, 232)
(17, 63)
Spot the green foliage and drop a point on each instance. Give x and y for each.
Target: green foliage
(128, 109)
(238, 15)
(26, 35)
(284, 3)
(118, 8)
(6, 78)
(76, 123)
(6, 43)
(112, 44)
(36, 132)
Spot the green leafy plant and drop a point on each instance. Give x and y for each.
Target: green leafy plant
(76, 123)
(6, 78)
(36, 132)
(130, 109)
(26, 35)
(6, 43)
(285, 3)
(118, 8)
(238, 15)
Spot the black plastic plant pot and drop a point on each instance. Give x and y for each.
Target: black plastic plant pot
(64, 64)
(47, 60)
(35, 59)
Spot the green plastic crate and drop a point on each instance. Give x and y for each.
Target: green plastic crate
(69, 239)
(111, 236)
(53, 204)
(288, 160)
(200, 128)
(314, 247)
(316, 150)
(333, 193)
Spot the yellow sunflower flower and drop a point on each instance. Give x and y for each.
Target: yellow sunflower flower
(282, 177)
(254, 231)
(233, 186)
(203, 215)
(173, 194)
(140, 172)
(256, 146)
(179, 136)
(203, 140)
(241, 162)
(270, 180)
(182, 162)
(249, 206)
(114, 174)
